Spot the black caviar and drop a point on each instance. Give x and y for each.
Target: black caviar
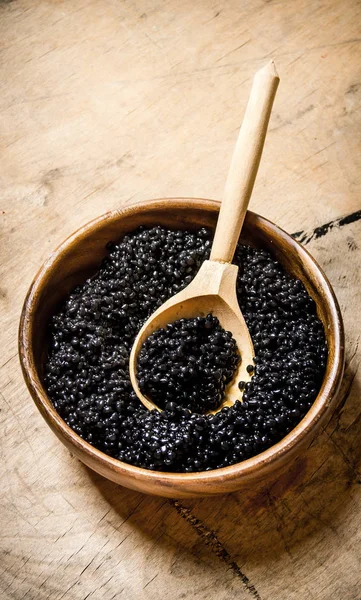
(189, 364)
(91, 336)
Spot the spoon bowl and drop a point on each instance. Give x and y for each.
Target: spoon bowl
(212, 290)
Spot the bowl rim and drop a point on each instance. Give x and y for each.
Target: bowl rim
(248, 467)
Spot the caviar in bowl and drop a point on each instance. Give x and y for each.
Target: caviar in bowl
(80, 256)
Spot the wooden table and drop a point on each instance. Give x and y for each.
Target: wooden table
(107, 102)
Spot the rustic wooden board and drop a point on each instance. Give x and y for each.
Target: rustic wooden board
(106, 102)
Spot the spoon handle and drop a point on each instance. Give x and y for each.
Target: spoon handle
(244, 165)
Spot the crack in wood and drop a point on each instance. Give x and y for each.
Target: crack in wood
(150, 581)
(211, 540)
(305, 237)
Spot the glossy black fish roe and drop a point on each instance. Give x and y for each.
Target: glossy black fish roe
(91, 336)
(189, 363)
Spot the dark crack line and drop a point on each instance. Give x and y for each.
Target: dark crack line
(305, 237)
(211, 540)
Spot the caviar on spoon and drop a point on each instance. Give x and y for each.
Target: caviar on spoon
(213, 290)
(188, 364)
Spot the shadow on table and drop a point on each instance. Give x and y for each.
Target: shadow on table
(267, 521)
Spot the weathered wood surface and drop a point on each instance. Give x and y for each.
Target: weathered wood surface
(104, 103)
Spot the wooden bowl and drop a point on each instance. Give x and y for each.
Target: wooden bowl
(80, 255)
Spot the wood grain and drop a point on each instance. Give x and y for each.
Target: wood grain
(106, 102)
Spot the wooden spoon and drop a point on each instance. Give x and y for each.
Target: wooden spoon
(213, 290)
